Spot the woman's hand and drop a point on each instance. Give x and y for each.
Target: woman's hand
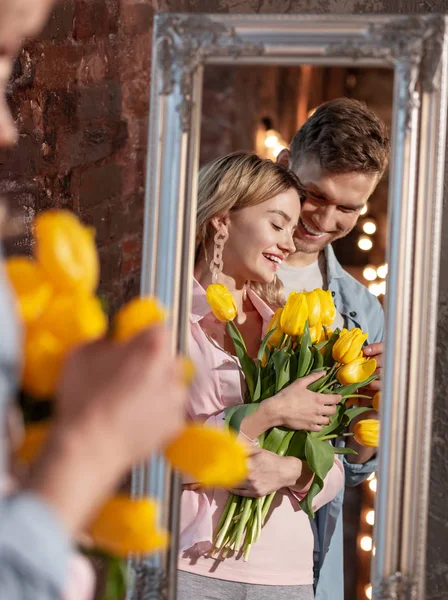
(294, 407)
(268, 473)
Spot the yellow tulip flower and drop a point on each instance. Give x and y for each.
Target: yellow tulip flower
(44, 358)
(212, 456)
(376, 401)
(189, 370)
(356, 371)
(137, 315)
(33, 290)
(317, 333)
(35, 436)
(349, 345)
(74, 319)
(274, 324)
(314, 308)
(327, 307)
(124, 525)
(221, 302)
(367, 432)
(65, 249)
(294, 314)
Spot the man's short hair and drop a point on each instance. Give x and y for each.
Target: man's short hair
(345, 137)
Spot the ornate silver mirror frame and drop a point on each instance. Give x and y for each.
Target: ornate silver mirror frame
(416, 47)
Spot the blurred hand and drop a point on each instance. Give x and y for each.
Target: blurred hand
(130, 396)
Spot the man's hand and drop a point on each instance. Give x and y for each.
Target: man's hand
(375, 351)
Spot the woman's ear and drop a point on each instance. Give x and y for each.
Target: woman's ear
(220, 223)
(284, 157)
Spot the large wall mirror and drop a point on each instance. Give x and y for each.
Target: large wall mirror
(222, 84)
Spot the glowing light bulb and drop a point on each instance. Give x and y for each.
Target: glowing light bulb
(372, 485)
(364, 210)
(271, 141)
(370, 517)
(369, 273)
(365, 243)
(382, 287)
(369, 227)
(368, 592)
(366, 543)
(382, 271)
(371, 476)
(374, 288)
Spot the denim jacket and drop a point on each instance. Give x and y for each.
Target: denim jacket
(359, 309)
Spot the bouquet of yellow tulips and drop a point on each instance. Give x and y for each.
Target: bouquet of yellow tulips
(298, 342)
(55, 296)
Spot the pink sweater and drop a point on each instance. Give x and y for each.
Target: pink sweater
(284, 553)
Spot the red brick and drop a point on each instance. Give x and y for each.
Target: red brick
(57, 66)
(95, 18)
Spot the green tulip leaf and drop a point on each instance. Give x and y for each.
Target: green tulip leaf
(319, 456)
(297, 445)
(349, 390)
(305, 358)
(344, 451)
(281, 365)
(264, 344)
(247, 364)
(234, 415)
(307, 503)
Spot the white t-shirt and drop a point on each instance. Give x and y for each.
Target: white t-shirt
(305, 279)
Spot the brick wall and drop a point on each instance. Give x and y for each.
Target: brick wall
(80, 97)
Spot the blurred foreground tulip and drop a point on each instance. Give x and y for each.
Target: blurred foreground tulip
(212, 456)
(33, 290)
(124, 525)
(136, 315)
(295, 314)
(221, 302)
(65, 249)
(74, 319)
(367, 432)
(349, 345)
(44, 358)
(356, 371)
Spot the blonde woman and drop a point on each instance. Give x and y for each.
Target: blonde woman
(248, 209)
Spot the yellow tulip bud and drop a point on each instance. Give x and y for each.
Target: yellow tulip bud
(313, 303)
(124, 525)
(327, 307)
(367, 432)
(376, 401)
(349, 345)
(294, 314)
(33, 290)
(274, 324)
(44, 357)
(74, 319)
(65, 249)
(221, 302)
(212, 456)
(356, 371)
(137, 315)
(35, 436)
(317, 333)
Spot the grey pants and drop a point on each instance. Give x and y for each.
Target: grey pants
(197, 587)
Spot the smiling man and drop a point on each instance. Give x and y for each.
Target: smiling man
(340, 155)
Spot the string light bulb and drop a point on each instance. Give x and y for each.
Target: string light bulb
(369, 273)
(365, 243)
(373, 485)
(366, 543)
(364, 210)
(370, 517)
(382, 271)
(369, 227)
(374, 289)
(368, 592)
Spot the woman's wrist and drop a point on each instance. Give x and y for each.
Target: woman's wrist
(258, 422)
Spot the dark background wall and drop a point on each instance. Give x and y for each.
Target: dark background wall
(80, 96)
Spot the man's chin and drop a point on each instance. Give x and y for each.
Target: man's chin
(310, 246)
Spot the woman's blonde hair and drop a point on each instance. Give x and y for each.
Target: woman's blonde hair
(236, 181)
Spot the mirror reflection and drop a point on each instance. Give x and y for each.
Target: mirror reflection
(292, 198)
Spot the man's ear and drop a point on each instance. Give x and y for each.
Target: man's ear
(284, 157)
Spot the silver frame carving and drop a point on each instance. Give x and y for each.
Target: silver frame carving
(416, 48)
